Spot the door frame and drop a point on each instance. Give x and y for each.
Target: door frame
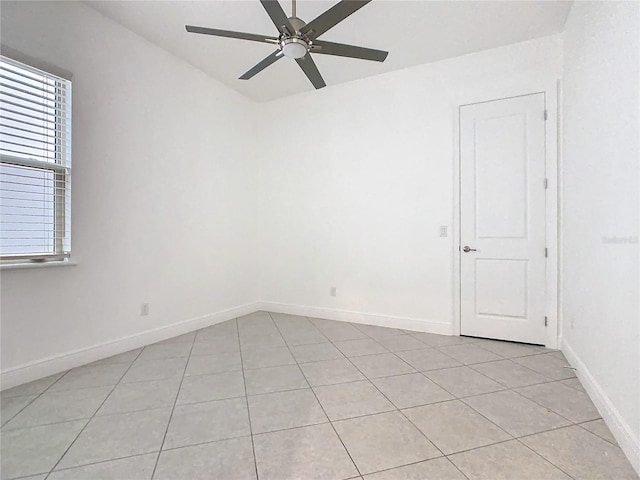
(551, 91)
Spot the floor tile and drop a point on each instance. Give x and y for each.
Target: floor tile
(330, 372)
(600, 428)
(573, 383)
(64, 406)
(35, 450)
(469, 354)
(217, 386)
(506, 461)
(165, 350)
(117, 436)
(161, 369)
(378, 333)
(207, 422)
(515, 414)
(558, 354)
(359, 347)
(90, 376)
(338, 331)
(260, 315)
(215, 346)
(133, 397)
(31, 388)
(510, 349)
(184, 338)
(225, 459)
(284, 320)
(353, 399)
(411, 390)
(207, 364)
(565, 401)
(303, 337)
(382, 441)
(401, 343)
(428, 359)
(126, 357)
(463, 381)
(509, 374)
(139, 467)
(434, 340)
(381, 365)
(262, 340)
(315, 353)
(454, 427)
(582, 454)
(548, 365)
(10, 406)
(313, 452)
(227, 329)
(267, 357)
(277, 411)
(436, 469)
(274, 379)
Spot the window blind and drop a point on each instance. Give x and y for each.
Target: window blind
(35, 164)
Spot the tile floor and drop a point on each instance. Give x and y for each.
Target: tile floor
(274, 396)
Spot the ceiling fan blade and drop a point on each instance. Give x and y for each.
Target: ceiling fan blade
(277, 55)
(309, 68)
(331, 17)
(228, 33)
(278, 17)
(342, 50)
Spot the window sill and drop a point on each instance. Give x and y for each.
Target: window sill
(24, 266)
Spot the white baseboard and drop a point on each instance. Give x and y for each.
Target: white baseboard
(59, 363)
(629, 443)
(428, 326)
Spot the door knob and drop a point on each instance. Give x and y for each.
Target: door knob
(469, 249)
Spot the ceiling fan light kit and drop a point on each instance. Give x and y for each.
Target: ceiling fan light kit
(297, 39)
(294, 47)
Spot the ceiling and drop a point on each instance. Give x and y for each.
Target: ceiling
(414, 32)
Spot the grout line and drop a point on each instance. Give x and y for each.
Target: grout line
(420, 461)
(322, 407)
(581, 425)
(175, 401)
(98, 462)
(544, 458)
(37, 396)
(94, 413)
(246, 401)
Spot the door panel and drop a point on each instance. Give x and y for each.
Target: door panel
(502, 219)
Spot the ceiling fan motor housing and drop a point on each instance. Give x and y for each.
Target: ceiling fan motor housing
(296, 45)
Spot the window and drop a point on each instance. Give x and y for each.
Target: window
(35, 164)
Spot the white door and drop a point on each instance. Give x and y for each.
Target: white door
(502, 219)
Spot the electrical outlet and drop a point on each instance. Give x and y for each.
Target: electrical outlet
(443, 231)
(334, 291)
(144, 309)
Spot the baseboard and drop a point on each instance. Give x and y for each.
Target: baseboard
(418, 325)
(59, 363)
(629, 443)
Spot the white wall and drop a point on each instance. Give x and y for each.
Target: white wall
(355, 195)
(600, 190)
(163, 193)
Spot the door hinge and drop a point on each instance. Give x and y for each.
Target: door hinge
(546, 252)
(545, 115)
(546, 183)
(545, 321)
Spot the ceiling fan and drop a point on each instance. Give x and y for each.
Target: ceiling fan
(297, 39)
